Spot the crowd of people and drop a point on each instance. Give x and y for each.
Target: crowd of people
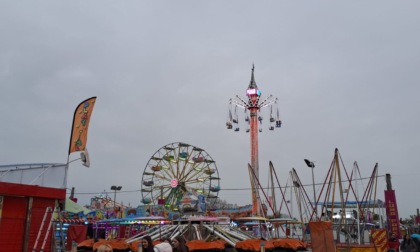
(406, 245)
(178, 244)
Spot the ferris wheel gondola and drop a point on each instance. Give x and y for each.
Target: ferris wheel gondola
(278, 121)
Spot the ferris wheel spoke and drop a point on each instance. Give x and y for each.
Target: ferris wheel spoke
(194, 184)
(163, 178)
(192, 175)
(183, 165)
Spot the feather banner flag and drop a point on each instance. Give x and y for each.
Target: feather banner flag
(80, 126)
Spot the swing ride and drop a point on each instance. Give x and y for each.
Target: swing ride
(253, 119)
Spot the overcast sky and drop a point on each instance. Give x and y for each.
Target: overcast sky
(346, 74)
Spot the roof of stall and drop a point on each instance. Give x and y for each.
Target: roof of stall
(285, 221)
(353, 204)
(252, 218)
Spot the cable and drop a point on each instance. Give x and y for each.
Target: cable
(222, 189)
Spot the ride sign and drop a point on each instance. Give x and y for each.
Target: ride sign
(174, 183)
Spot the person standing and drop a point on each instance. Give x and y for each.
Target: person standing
(147, 244)
(104, 248)
(164, 246)
(393, 243)
(408, 245)
(179, 244)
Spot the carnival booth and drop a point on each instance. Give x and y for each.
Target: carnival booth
(26, 214)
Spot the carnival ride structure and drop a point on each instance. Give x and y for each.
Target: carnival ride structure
(349, 204)
(214, 234)
(342, 198)
(281, 225)
(253, 119)
(180, 177)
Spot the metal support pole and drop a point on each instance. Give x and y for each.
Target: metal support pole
(313, 184)
(311, 165)
(115, 198)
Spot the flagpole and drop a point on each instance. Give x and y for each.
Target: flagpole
(66, 171)
(84, 108)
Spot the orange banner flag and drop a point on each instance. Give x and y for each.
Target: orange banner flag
(80, 126)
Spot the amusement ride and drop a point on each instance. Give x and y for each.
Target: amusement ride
(178, 170)
(253, 119)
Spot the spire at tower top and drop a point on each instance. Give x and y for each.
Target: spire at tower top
(252, 83)
(252, 88)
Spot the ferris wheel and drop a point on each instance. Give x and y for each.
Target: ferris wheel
(177, 169)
